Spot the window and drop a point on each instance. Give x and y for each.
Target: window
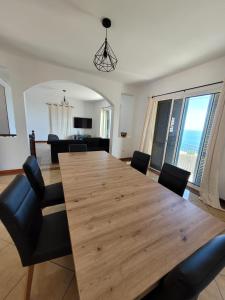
(7, 122)
(182, 131)
(4, 122)
(105, 122)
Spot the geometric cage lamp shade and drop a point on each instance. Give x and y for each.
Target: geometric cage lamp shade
(105, 59)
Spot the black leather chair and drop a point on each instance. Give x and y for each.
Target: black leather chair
(50, 194)
(53, 137)
(187, 280)
(37, 238)
(140, 161)
(78, 148)
(174, 178)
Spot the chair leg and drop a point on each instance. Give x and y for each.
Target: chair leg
(30, 272)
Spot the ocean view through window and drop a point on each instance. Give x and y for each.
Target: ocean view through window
(182, 131)
(195, 118)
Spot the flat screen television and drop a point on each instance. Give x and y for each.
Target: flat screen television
(82, 123)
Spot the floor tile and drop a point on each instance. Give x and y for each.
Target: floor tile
(220, 280)
(3, 244)
(66, 262)
(4, 235)
(53, 209)
(50, 282)
(71, 293)
(223, 272)
(211, 292)
(5, 180)
(11, 270)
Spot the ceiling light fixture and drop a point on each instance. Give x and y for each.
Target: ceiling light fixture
(105, 60)
(64, 98)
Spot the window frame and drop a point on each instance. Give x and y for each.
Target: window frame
(9, 110)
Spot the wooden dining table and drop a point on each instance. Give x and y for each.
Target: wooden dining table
(127, 231)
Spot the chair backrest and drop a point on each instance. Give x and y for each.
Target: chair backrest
(21, 214)
(33, 172)
(140, 161)
(53, 137)
(187, 280)
(174, 178)
(77, 148)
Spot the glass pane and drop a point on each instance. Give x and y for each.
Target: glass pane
(173, 131)
(192, 133)
(4, 122)
(160, 134)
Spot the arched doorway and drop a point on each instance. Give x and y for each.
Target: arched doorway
(86, 104)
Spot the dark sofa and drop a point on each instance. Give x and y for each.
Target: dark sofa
(60, 146)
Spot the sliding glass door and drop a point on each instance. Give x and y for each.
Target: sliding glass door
(160, 134)
(172, 137)
(182, 132)
(192, 133)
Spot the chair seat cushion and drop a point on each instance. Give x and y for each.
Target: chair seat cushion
(54, 239)
(53, 195)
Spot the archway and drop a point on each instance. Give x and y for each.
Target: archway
(86, 103)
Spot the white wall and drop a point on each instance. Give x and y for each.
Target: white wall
(203, 74)
(126, 124)
(38, 115)
(126, 115)
(24, 72)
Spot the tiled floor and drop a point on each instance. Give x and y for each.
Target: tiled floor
(55, 279)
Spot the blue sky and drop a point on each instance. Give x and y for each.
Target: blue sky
(197, 110)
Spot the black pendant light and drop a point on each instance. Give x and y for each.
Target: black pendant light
(64, 98)
(105, 60)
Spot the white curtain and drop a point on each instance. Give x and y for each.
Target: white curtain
(60, 118)
(102, 123)
(149, 126)
(105, 122)
(209, 190)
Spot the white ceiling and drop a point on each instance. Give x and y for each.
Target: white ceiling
(151, 38)
(53, 89)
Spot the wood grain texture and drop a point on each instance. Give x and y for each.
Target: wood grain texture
(127, 231)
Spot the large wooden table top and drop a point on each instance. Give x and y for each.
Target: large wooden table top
(126, 230)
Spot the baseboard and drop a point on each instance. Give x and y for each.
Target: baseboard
(41, 142)
(19, 171)
(154, 171)
(193, 190)
(50, 167)
(11, 172)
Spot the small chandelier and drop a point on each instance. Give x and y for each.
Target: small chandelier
(105, 60)
(64, 101)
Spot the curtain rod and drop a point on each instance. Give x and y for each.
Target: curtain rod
(188, 89)
(59, 104)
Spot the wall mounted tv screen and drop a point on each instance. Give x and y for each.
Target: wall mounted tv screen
(82, 123)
